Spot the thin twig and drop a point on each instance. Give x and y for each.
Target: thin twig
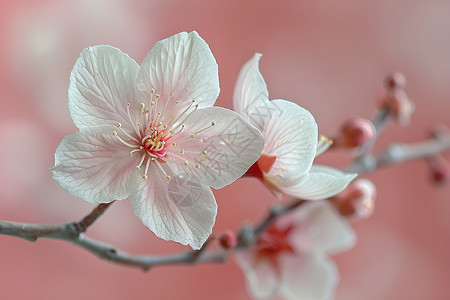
(92, 217)
(401, 152)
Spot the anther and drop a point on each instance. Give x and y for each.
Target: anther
(157, 96)
(174, 144)
(192, 135)
(182, 151)
(152, 90)
(204, 152)
(168, 177)
(213, 123)
(171, 94)
(144, 177)
(197, 166)
(186, 162)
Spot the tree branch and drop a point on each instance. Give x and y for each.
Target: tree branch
(401, 152)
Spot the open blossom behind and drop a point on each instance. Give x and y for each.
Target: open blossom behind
(290, 141)
(149, 133)
(290, 257)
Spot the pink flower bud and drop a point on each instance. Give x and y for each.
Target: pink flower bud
(440, 169)
(227, 240)
(357, 201)
(396, 101)
(395, 80)
(355, 133)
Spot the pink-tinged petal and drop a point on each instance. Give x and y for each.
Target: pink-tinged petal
(183, 65)
(250, 89)
(262, 278)
(290, 134)
(321, 229)
(220, 154)
(93, 165)
(102, 82)
(179, 209)
(308, 277)
(320, 183)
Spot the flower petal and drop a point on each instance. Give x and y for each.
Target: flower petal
(183, 65)
(321, 182)
(321, 229)
(262, 278)
(223, 152)
(290, 134)
(93, 165)
(179, 209)
(102, 82)
(308, 277)
(250, 89)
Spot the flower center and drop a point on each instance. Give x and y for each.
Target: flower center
(273, 242)
(155, 131)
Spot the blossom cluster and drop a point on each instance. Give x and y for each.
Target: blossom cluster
(151, 133)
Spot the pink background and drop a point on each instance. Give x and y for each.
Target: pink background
(328, 56)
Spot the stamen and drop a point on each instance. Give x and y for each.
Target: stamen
(136, 150)
(193, 135)
(167, 102)
(126, 133)
(131, 120)
(146, 169)
(161, 168)
(122, 141)
(176, 120)
(323, 144)
(141, 162)
(204, 152)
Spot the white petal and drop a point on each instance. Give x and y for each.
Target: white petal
(102, 82)
(321, 182)
(93, 165)
(250, 89)
(321, 229)
(308, 277)
(182, 64)
(223, 152)
(179, 209)
(262, 278)
(290, 134)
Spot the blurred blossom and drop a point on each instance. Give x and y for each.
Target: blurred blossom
(354, 133)
(290, 141)
(47, 37)
(290, 257)
(395, 100)
(357, 201)
(150, 133)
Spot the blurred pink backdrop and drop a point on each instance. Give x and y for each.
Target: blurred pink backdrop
(328, 56)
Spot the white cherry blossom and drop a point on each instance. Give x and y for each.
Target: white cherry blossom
(150, 133)
(290, 141)
(290, 258)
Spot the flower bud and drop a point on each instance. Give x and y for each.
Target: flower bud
(395, 100)
(440, 169)
(395, 80)
(357, 200)
(355, 133)
(227, 240)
